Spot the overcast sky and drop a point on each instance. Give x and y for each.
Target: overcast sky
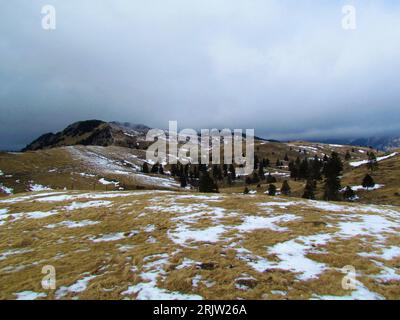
(286, 68)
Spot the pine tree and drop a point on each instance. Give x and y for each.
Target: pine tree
(154, 169)
(368, 182)
(332, 170)
(207, 184)
(286, 157)
(246, 191)
(303, 170)
(261, 171)
(161, 169)
(271, 190)
(285, 189)
(294, 174)
(232, 172)
(255, 178)
(271, 178)
(372, 162)
(183, 180)
(347, 157)
(309, 190)
(248, 180)
(315, 168)
(349, 194)
(145, 168)
(174, 170)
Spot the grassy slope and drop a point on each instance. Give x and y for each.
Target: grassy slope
(388, 174)
(61, 168)
(223, 269)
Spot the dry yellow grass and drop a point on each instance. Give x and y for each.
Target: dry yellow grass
(153, 232)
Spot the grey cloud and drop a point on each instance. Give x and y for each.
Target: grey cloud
(285, 68)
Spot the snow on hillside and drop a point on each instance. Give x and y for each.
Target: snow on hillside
(360, 163)
(166, 245)
(107, 161)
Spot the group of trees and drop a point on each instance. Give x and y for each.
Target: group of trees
(272, 190)
(328, 169)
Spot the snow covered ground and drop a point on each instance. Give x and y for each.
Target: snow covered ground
(167, 245)
(362, 162)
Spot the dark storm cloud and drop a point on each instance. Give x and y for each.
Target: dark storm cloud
(285, 68)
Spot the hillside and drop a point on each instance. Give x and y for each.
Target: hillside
(168, 245)
(92, 132)
(79, 167)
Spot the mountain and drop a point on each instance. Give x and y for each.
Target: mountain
(386, 143)
(95, 133)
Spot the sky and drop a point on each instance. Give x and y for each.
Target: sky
(286, 68)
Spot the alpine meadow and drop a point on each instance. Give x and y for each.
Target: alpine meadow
(200, 150)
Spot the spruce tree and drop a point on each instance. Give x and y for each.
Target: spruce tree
(183, 180)
(372, 161)
(309, 190)
(261, 171)
(303, 170)
(293, 170)
(246, 191)
(232, 172)
(271, 178)
(285, 189)
(349, 194)
(332, 170)
(145, 168)
(347, 157)
(286, 158)
(206, 184)
(271, 190)
(154, 169)
(368, 182)
(315, 168)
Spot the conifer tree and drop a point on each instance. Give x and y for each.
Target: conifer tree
(286, 157)
(145, 168)
(232, 172)
(271, 190)
(315, 168)
(347, 157)
(349, 194)
(372, 162)
(206, 184)
(246, 190)
(293, 170)
(285, 189)
(368, 182)
(174, 170)
(183, 180)
(332, 170)
(261, 171)
(154, 169)
(303, 170)
(309, 190)
(271, 178)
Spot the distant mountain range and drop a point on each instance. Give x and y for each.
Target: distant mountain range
(125, 134)
(380, 143)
